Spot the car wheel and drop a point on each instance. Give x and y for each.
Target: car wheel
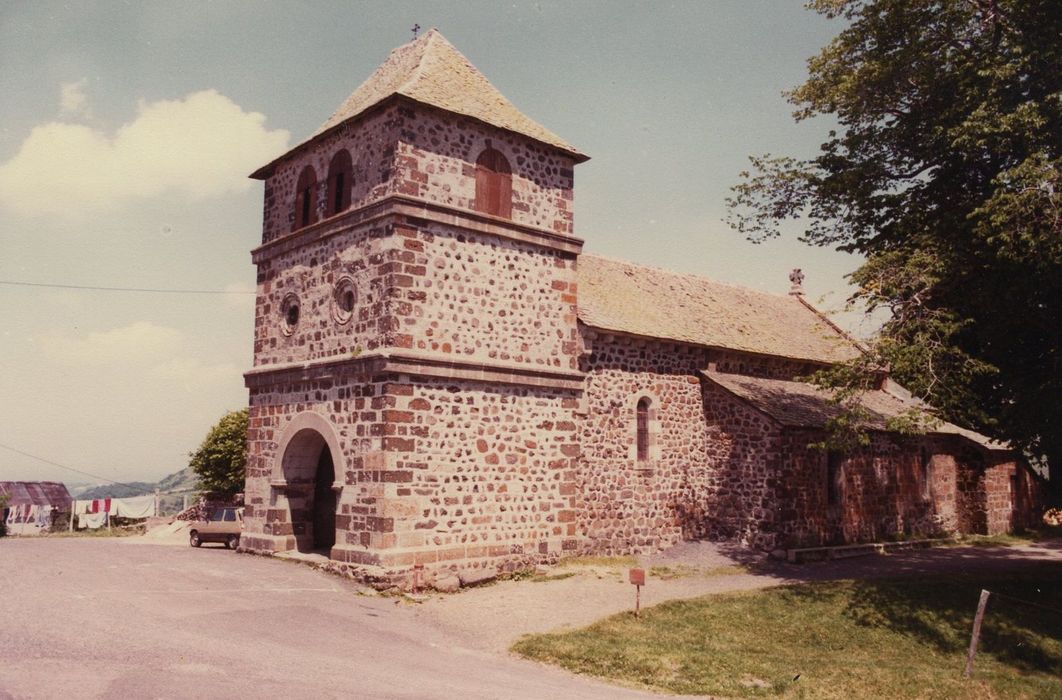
(233, 542)
(193, 539)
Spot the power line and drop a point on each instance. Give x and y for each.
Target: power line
(63, 466)
(1026, 602)
(14, 283)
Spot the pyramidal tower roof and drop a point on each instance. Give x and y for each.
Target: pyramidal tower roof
(431, 71)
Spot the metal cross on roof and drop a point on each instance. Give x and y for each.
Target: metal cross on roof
(415, 29)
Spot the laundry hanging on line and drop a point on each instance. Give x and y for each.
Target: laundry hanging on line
(92, 521)
(94, 505)
(138, 507)
(135, 507)
(29, 514)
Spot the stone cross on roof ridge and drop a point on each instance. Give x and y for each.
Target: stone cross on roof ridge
(431, 71)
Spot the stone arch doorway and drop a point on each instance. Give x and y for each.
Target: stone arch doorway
(309, 459)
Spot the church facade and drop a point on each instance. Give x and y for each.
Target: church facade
(445, 383)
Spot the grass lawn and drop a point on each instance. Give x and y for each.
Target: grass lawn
(840, 639)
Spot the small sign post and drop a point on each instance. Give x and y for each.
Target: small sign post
(637, 577)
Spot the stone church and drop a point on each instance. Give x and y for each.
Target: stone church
(443, 378)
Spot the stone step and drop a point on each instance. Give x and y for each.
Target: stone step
(846, 551)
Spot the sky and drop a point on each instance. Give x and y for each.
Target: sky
(128, 129)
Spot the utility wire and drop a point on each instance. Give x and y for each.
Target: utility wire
(1026, 602)
(63, 466)
(14, 283)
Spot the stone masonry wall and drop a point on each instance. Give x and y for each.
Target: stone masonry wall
(997, 495)
(488, 474)
(436, 162)
(1014, 498)
(743, 503)
(893, 488)
(464, 478)
(711, 460)
(423, 286)
(352, 407)
(479, 296)
(420, 152)
(901, 487)
(369, 259)
(721, 470)
(371, 140)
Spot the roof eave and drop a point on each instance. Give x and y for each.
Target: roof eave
(987, 444)
(706, 346)
(269, 168)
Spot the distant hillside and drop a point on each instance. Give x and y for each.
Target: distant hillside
(183, 480)
(124, 490)
(180, 481)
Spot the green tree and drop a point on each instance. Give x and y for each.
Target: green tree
(944, 171)
(221, 460)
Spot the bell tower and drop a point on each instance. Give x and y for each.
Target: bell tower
(416, 319)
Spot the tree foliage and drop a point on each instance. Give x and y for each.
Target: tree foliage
(945, 173)
(221, 460)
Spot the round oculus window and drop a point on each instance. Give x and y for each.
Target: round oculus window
(289, 310)
(344, 300)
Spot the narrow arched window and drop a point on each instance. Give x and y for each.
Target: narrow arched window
(643, 429)
(926, 461)
(305, 199)
(834, 477)
(494, 184)
(340, 180)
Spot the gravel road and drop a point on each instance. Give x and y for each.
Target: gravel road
(96, 618)
(99, 618)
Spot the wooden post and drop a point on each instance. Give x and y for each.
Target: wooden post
(976, 633)
(156, 503)
(637, 577)
(72, 509)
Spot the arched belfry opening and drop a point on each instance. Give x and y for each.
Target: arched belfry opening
(308, 472)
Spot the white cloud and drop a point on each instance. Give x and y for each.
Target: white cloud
(200, 146)
(140, 342)
(125, 403)
(72, 99)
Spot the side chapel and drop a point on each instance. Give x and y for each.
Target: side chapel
(443, 378)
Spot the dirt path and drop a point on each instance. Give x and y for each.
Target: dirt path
(492, 617)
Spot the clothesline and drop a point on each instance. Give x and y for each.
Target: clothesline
(95, 513)
(91, 513)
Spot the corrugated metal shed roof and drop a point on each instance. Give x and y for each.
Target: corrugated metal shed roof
(621, 296)
(38, 493)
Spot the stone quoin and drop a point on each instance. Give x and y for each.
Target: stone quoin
(443, 378)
